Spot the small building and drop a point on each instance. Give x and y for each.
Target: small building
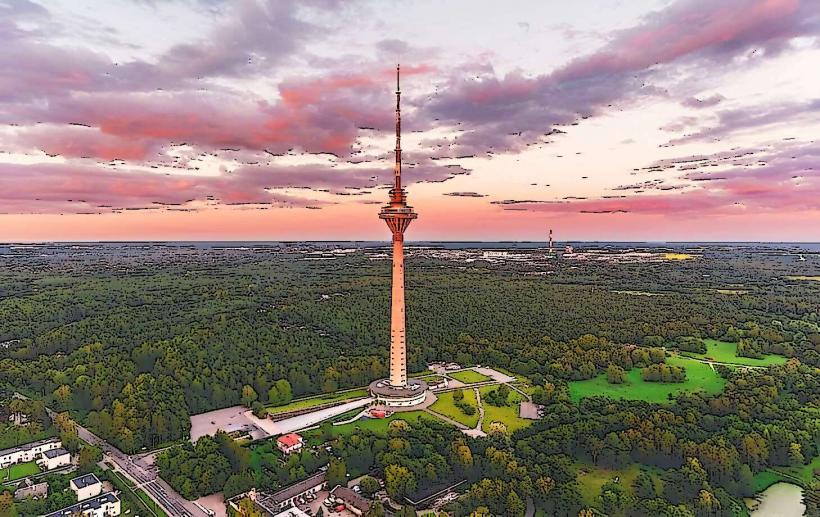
(29, 489)
(28, 452)
(352, 501)
(104, 505)
(86, 486)
(290, 443)
(54, 458)
(276, 503)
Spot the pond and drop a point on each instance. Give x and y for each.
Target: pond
(779, 500)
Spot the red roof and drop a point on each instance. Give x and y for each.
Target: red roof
(290, 439)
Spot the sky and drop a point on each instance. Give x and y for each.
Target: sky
(659, 120)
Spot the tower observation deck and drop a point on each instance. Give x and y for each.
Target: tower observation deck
(397, 390)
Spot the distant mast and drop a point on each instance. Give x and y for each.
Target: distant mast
(550, 241)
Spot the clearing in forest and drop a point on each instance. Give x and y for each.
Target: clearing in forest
(699, 377)
(469, 376)
(445, 405)
(725, 352)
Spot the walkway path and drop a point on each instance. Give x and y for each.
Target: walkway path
(446, 419)
(476, 431)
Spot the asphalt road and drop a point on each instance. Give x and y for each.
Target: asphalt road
(146, 478)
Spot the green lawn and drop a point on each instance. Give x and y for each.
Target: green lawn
(19, 470)
(803, 472)
(592, 478)
(318, 400)
(699, 376)
(507, 415)
(725, 352)
(446, 406)
(767, 478)
(376, 425)
(469, 376)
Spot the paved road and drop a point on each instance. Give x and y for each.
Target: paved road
(146, 478)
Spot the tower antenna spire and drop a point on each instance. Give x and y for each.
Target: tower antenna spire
(397, 170)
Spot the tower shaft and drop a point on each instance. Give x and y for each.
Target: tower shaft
(398, 215)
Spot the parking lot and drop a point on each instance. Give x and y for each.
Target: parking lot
(313, 506)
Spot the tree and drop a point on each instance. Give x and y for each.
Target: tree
(258, 409)
(369, 486)
(615, 374)
(406, 511)
(458, 394)
(399, 481)
(336, 473)
(89, 456)
(249, 395)
(515, 506)
(376, 510)
(7, 508)
(285, 392)
(644, 486)
(613, 498)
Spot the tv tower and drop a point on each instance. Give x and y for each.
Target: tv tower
(396, 390)
(550, 241)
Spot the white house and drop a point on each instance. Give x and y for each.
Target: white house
(28, 452)
(290, 443)
(54, 458)
(86, 486)
(105, 505)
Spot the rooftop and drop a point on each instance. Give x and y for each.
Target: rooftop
(290, 439)
(28, 446)
(55, 453)
(85, 480)
(89, 504)
(291, 491)
(351, 498)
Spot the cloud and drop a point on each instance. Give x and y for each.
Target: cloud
(464, 194)
(746, 119)
(508, 113)
(706, 102)
(770, 179)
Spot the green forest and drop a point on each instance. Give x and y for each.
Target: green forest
(133, 340)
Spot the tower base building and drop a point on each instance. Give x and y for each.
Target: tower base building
(413, 394)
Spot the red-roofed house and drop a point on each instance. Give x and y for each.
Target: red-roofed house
(290, 443)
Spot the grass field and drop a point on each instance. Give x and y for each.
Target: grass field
(726, 352)
(803, 472)
(376, 425)
(19, 470)
(592, 478)
(767, 478)
(699, 377)
(469, 376)
(318, 400)
(446, 406)
(507, 415)
(801, 277)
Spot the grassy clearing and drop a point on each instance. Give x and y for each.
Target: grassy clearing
(507, 415)
(802, 277)
(699, 377)
(446, 406)
(469, 376)
(318, 400)
(376, 425)
(592, 478)
(803, 472)
(767, 478)
(19, 470)
(725, 352)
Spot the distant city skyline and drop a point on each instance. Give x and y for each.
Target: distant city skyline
(660, 120)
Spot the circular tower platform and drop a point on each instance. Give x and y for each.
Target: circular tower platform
(391, 396)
